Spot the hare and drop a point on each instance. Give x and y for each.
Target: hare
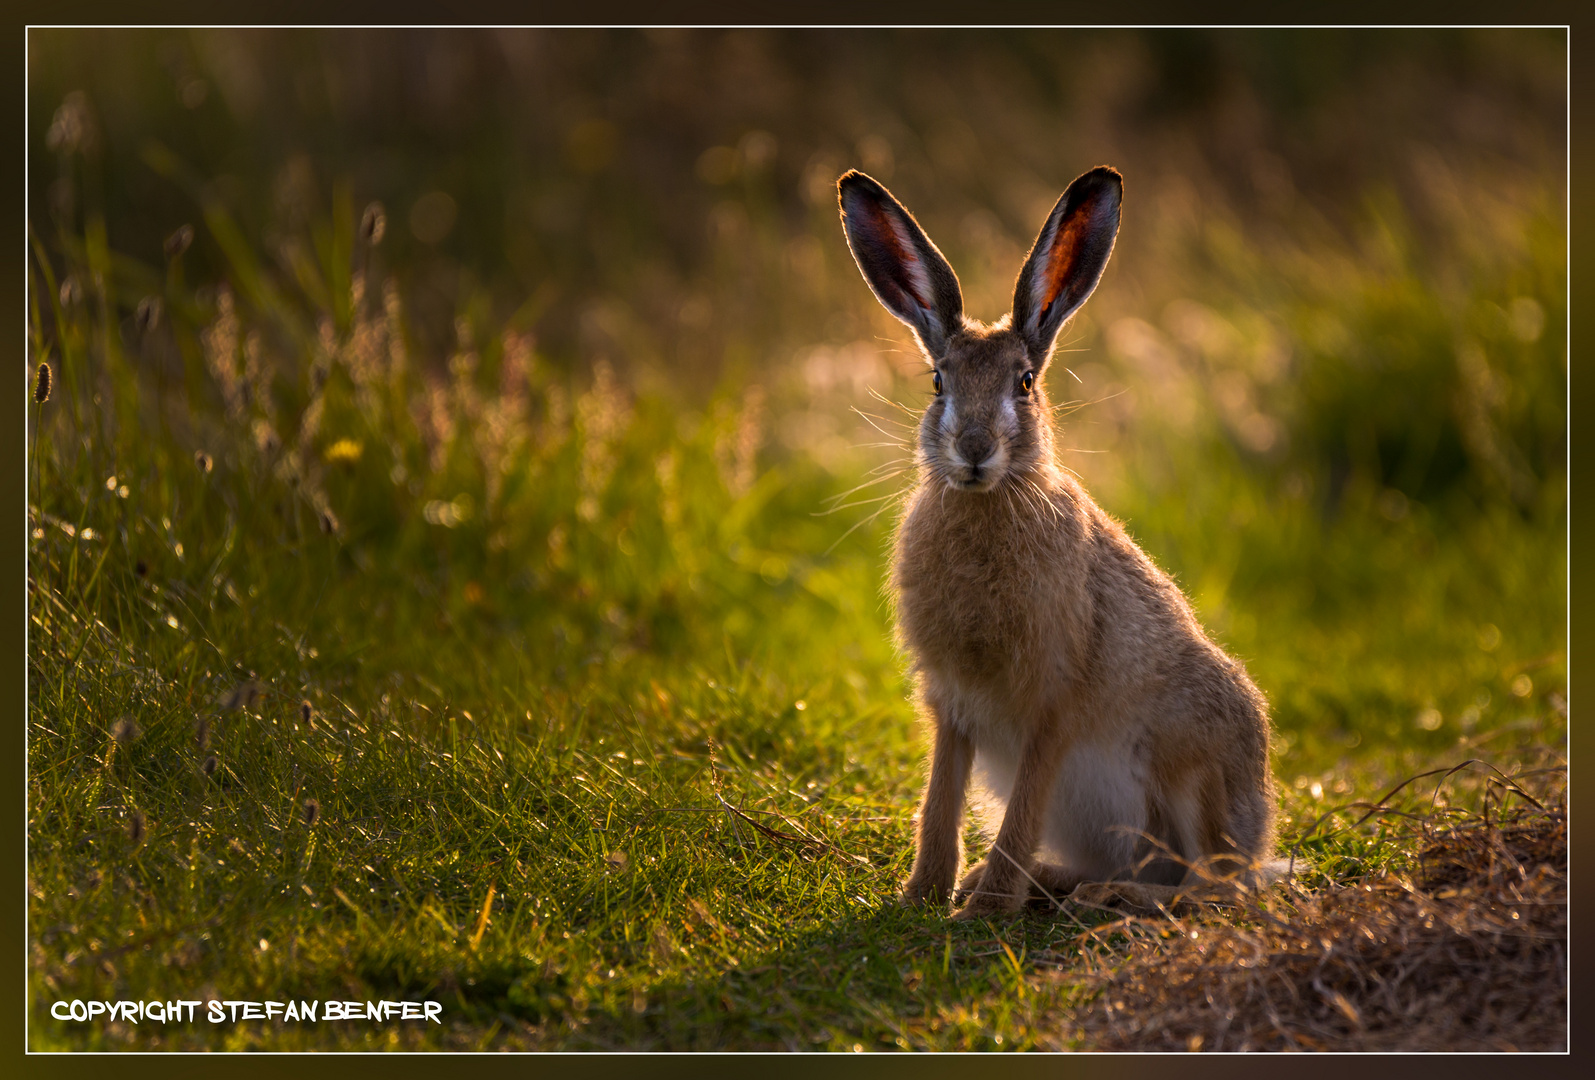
(1053, 660)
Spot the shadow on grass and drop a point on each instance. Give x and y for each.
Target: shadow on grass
(880, 978)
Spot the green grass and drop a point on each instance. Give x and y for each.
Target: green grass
(563, 724)
(564, 635)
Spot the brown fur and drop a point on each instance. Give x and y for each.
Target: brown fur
(1051, 655)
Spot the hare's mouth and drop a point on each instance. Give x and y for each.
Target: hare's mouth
(984, 476)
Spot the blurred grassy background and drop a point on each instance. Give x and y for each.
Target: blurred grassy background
(547, 465)
(1340, 281)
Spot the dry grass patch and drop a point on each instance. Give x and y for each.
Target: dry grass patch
(1465, 951)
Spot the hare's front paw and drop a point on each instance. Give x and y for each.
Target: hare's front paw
(985, 894)
(986, 904)
(922, 889)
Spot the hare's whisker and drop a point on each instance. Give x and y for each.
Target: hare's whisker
(835, 503)
(857, 525)
(1050, 505)
(883, 399)
(870, 418)
(855, 503)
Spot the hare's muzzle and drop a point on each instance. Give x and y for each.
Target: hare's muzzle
(976, 446)
(979, 457)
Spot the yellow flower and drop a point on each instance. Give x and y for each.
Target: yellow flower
(344, 450)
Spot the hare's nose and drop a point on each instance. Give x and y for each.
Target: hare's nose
(975, 446)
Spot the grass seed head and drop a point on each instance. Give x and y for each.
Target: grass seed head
(373, 223)
(329, 521)
(306, 710)
(266, 439)
(241, 696)
(311, 811)
(135, 827)
(71, 292)
(208, 766)
(178, 242)
(202, 732)
(41, 386)
(125, 731)
(148, 315)
(72, 129)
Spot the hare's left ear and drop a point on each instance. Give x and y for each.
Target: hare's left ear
(908, 275)
(1067, 261)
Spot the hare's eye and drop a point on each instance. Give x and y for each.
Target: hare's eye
(936, 382)
(1029, 381)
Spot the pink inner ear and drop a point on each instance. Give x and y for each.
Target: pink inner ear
(1063, 254)
(891, 234)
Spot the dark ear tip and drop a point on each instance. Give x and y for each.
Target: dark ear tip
(1101, 178)
(853, 180)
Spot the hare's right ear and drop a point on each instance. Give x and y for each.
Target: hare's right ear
(1068, 259)
(908, 275)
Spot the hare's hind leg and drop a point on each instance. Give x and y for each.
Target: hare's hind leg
(1048, 882)
(1186, 857)
(1146, 898)
(1051, 884)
